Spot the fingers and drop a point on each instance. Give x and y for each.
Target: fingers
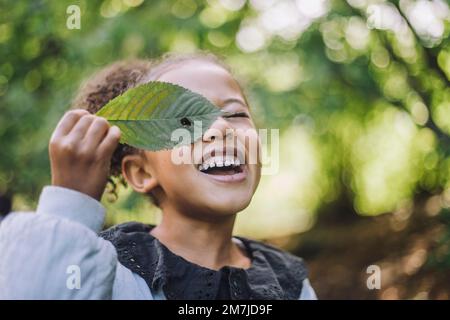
(96, 132)
(110, 142)
(67, 122)
(82, 133)
(80, 129)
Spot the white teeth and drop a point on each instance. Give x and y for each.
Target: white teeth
(230, 162)
(219, 162)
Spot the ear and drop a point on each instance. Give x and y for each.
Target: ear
(138, 174)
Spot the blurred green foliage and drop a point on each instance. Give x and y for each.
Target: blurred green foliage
(359, 90)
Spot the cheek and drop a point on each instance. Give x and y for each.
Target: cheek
(164, 168)
(168, 160)
(174, 170)
(250, 139)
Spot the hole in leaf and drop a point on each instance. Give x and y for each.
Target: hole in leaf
(185, 122)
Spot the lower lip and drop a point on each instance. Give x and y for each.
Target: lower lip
(237, 177)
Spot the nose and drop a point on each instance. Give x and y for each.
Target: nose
(220, 129)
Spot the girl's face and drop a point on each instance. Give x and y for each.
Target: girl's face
(209, 184)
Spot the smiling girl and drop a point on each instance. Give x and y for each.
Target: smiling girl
(192, 253)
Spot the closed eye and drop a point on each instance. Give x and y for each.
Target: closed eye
(236, 115)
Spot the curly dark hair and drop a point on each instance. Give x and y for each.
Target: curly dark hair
(115, 79)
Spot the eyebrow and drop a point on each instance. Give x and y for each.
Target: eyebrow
(235, 100)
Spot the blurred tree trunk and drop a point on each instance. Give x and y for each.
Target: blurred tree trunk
(339, 211)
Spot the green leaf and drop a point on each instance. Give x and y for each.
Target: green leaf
(148, 114)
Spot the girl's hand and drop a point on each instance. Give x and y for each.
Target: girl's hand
(80, 151)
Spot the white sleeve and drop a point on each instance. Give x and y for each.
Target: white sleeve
(56, 253)
(307, 291)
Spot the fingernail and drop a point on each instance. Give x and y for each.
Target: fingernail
(116, 128)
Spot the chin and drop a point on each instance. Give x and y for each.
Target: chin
(229, 206)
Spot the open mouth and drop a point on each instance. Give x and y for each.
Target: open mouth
(223, 169)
